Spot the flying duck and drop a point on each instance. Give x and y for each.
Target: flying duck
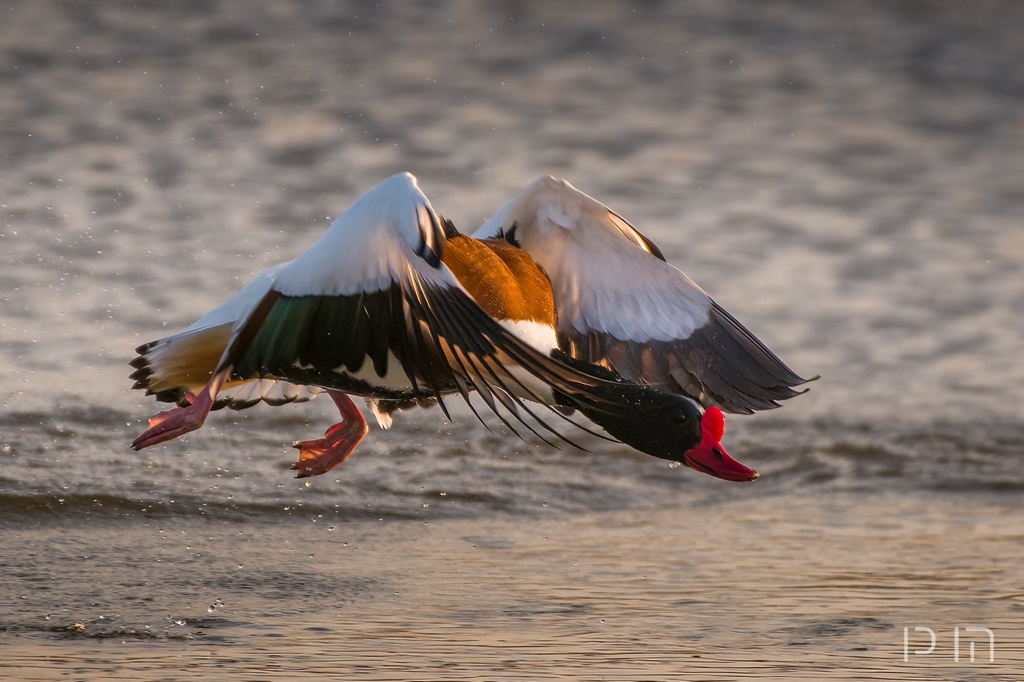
(555, 301)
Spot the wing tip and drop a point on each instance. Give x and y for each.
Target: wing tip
(720, 363)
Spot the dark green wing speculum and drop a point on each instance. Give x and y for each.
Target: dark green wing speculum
(324, 334)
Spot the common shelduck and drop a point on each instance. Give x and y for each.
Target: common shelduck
(555, 300)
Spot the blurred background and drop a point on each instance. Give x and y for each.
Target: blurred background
(846, 178)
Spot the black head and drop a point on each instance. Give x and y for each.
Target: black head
(664, 425)
(667, 425)
(672, 427)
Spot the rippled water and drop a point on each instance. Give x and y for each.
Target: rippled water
(844, 179)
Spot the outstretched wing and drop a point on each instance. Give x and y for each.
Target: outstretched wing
(620, 304)
(371, 309)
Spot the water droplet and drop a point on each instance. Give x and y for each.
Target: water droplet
(426, 505)
(309, 484)
(674, 465)
(330, 528)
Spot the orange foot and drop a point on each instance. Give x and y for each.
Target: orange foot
(173, 423)
(320, 456)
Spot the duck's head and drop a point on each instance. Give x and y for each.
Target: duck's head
(673, 427)
(666, 425)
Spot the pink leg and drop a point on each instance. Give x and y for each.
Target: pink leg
(173, 423)
(320, 456)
